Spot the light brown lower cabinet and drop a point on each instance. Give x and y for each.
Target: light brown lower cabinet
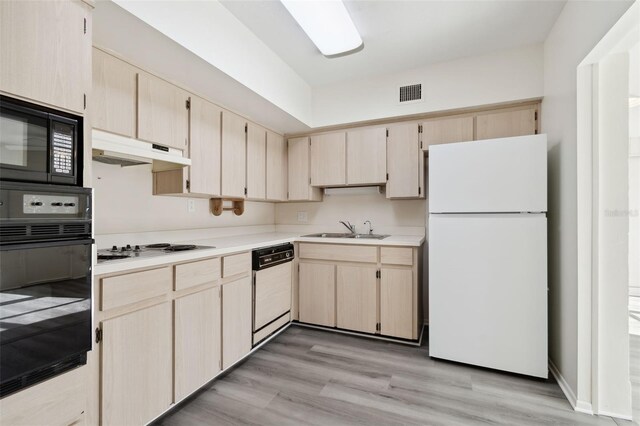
(236, 320)
(137, 366)
(396, 303)
(317, 294)
(368, 289)
(357, 298)
(197, 334)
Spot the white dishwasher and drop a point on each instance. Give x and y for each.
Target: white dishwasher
(272, 281)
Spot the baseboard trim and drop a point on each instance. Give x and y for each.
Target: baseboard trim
(579, 406)
(615, 415)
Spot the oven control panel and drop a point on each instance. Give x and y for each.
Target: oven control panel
(49, 204)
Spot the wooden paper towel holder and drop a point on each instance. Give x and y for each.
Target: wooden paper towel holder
(217, 206)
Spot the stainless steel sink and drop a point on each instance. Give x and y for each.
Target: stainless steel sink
(347, 235)
(370, 236)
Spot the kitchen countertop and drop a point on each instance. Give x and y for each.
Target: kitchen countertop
(241, 243)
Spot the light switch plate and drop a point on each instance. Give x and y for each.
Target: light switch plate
(191, 206)
(302, 217)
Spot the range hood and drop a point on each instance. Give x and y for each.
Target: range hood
(123, 151)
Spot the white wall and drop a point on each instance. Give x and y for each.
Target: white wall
(577, 30)
(210, 31)
(386, 215)
(124, 204)
(506, 75)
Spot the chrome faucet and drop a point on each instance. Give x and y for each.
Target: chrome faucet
(370, 226)
(349, 226)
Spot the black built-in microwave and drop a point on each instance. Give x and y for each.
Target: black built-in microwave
(39, 144)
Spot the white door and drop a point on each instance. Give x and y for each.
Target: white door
(488, 290)
(489, 176)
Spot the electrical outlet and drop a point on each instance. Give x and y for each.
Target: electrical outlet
(302, 217)
(191, 206)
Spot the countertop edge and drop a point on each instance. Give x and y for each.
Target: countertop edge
(127, 265)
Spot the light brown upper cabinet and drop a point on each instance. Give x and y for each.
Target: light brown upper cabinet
(276, 167)
(299, 179)
(367, 156)
(204, 147)
(113, 100)
(446, 130)
(202, 178)
(256, 162)
(163, 114)
(234, 157)
(328, 159)
(46, 52)
(507, 123)
(405, 162)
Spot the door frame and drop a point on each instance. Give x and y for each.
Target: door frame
(591, 354)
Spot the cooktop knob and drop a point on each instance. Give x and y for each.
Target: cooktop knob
(123, 248)
(136, 248)
(114, 248)
(128, 246)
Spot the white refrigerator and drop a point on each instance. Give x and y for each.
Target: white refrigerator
(488, 253)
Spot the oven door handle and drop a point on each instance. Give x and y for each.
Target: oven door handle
(46, 243)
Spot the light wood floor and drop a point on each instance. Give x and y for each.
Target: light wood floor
(308, 376)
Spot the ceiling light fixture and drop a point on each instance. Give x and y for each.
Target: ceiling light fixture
(327, 23)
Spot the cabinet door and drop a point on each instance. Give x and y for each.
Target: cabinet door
(403, 161)
(234, 148)
(367, 156)
(46, 51)
(236, 320)
(328, 159)
(447, 130)
(137, 366)
(197, 340)
(357, 296)
(507, 123)
(113, 99)
(396, 303)
(256, 162)
(317, 294)
(204, 147)
(299, 172)
(163, 117)
(276, 167)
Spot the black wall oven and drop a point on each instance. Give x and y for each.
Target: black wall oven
(45, 282)
(38, 144)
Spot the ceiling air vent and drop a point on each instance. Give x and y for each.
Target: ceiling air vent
(412, 92)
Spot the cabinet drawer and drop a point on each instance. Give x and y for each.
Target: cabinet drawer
(196, 273)
(130, 288)
(345, 253)
(236, 264)
(396, 255)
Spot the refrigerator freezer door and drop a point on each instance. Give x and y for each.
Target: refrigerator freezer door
(489, 176)
(488, 291)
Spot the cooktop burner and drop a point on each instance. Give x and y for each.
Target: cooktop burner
(180, 247)
(158, 246)
(149, 250)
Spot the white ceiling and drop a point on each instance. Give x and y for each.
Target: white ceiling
(400, 35)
